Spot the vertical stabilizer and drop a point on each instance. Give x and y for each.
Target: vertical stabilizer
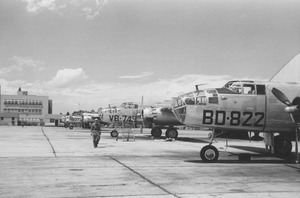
(289, 73)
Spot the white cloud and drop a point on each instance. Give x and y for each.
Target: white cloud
(18, 64)
(142, 75)
(71, 87)
(66, 76)
(89, 8)
(38, 5)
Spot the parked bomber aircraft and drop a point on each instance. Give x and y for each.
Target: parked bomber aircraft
(243, 105)
(156, 117)
(128, 112)
(70, 121)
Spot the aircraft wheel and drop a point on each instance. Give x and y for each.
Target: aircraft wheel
(171, 133)
(282, 146)
(209, 153)
(114, 133)
(156, 132)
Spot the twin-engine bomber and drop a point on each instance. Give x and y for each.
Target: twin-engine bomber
(244, 105)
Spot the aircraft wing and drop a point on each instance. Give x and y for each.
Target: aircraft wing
(289, 73)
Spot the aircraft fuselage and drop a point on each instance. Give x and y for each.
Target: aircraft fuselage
(250, 107)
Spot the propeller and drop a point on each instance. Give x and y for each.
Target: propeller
(291, 109)
(281, 96)
(142, 114)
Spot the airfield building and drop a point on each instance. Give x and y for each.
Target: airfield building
(26, 109)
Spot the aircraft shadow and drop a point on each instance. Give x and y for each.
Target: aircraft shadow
(243, 162)
(187, 139)
(251, 149)
(183, 139)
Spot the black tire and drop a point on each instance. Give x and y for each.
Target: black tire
(282, 146)
(171, 133)
(156, 132)
(114, 133)
(209, 153)
(71, 127)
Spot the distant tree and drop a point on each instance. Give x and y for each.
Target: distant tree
(68, 113)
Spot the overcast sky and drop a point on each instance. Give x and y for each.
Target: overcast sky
(88, 54)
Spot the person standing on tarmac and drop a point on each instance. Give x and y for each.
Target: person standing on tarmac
(96, 132)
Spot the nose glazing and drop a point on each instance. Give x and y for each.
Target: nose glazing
(179, 108)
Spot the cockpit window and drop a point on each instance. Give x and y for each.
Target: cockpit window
(178, 102)
(248, 89)
(261, 89)
(129, 105)
(242, 88)
(190, 100)
(236, 87)
(201, 100)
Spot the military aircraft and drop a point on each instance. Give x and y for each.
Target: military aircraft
(157, 117)
(160, 117)
(71, 120)
(246, 105)
(127, 112)
(88, 119)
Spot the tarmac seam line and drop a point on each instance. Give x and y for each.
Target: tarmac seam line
(148, 180)
(49, 142)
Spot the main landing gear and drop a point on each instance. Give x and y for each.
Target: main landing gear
(171, 132)
(280, 145)
(114, 133)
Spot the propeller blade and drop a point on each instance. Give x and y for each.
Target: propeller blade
(281, 96)
(142, 116)
(297, 137)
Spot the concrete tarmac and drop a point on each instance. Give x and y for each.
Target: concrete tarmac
(58, 162)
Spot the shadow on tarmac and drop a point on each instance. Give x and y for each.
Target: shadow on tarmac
(187, 139)
(241, 162)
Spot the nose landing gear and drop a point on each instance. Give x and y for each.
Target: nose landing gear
(209, 153)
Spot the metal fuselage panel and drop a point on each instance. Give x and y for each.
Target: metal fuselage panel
(117, 115)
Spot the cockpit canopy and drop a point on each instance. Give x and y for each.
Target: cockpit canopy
(129, 105)
(243, 87)
(202, 97)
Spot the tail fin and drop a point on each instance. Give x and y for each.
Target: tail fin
(289, 73)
